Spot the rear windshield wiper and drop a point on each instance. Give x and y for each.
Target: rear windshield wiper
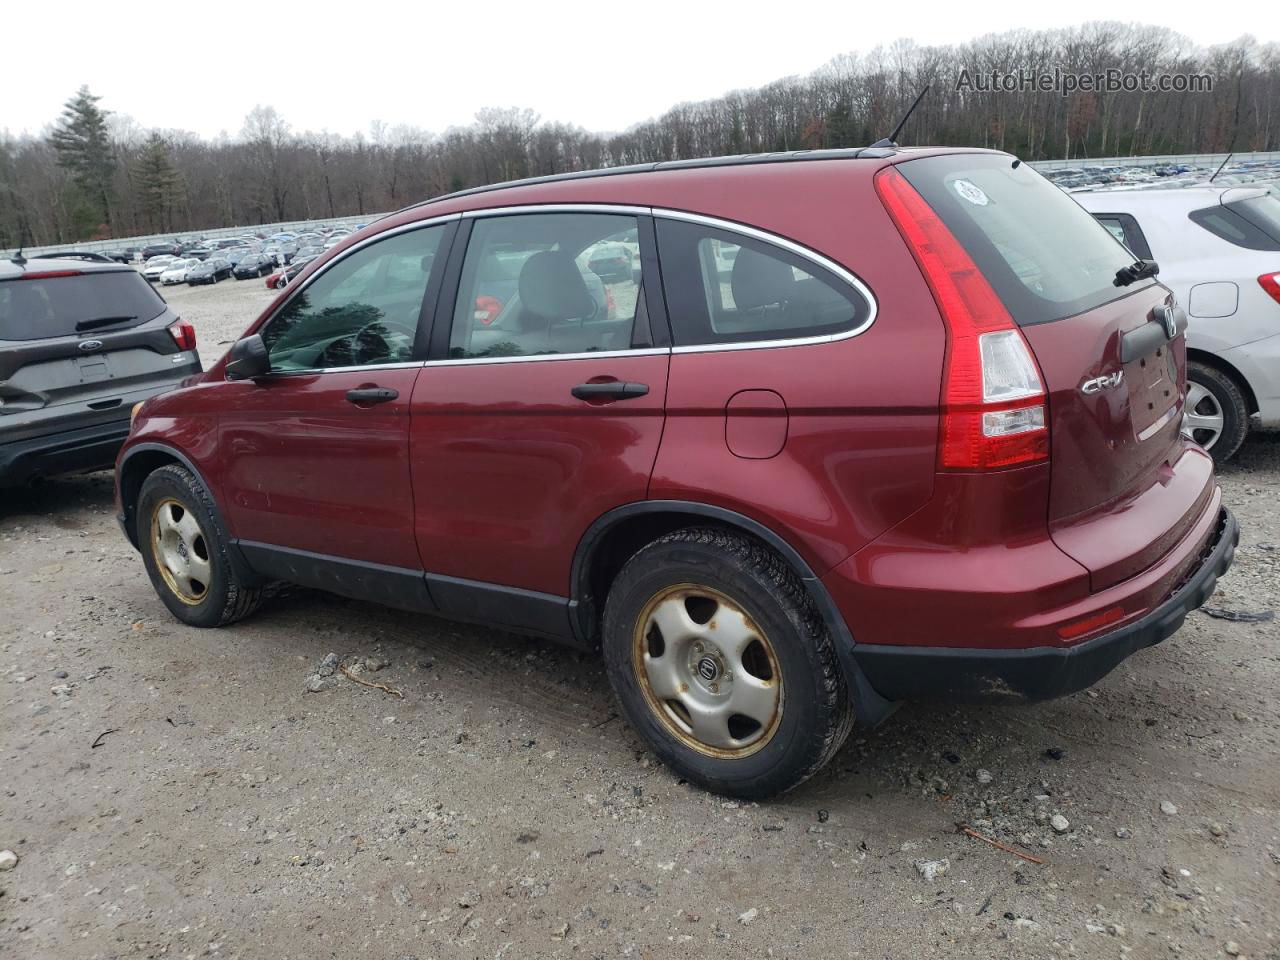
(97, 322)
(1138, 270)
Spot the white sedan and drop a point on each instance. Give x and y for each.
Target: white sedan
(176, 272)
(156, 266)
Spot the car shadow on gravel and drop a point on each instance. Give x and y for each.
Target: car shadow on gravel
(93, 491)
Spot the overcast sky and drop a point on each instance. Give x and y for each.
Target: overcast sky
(602, 65)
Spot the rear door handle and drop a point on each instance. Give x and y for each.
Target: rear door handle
(368, 396)
(610, 390)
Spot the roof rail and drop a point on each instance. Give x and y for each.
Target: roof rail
(746, 159)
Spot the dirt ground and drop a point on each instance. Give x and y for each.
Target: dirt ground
(172, 792)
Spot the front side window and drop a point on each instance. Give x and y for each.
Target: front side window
(363, 310)
(723, 287)
(547, 284)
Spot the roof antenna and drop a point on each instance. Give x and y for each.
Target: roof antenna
(18, 258)
(892, 139)
(1221, 168)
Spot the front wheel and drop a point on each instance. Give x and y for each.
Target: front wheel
(184, 550)
(1217, 416)
(720, 661)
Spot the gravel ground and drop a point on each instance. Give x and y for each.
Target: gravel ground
(171, 792)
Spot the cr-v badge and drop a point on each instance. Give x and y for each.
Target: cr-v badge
(1098, 384)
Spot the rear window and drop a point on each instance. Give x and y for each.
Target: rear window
(1252, 223)
(75, 306)
(1044, 255)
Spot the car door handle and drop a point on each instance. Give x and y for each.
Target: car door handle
(368, 396)
(610, 390)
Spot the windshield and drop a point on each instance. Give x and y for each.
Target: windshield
(1044, 255)
(34, 309)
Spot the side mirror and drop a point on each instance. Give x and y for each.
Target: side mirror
(248, 359)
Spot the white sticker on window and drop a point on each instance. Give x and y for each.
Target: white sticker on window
(972, 192)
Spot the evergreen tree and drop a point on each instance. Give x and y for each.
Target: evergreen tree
(159, 185)
(84, 150)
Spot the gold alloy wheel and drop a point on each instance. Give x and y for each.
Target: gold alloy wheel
(708, 673)
(180, 551)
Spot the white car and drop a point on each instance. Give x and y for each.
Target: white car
(156, 266)
(177, 271)
(1219, 252)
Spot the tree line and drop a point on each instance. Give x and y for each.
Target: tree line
(95, 174)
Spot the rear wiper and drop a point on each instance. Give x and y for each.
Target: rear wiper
(97, 322)
(1138, 270)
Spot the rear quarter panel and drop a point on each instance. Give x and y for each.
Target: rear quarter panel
(861, 430)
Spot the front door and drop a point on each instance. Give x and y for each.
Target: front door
(541, 411)
(316, 453)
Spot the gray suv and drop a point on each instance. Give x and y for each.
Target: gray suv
(80, 343)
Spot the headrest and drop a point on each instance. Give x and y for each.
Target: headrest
(552, 288)
(759, 280)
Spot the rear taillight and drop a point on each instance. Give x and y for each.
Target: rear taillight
(184, 334)
(1270, 282)
(993, 399)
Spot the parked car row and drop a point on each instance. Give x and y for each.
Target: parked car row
(284, 245)
(783, 472)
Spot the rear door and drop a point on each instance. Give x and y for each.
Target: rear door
(541, 409)
(80, 347)
(1125, 486)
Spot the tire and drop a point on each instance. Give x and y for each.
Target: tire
(198, 582)
(738, 624)
(1217, 414)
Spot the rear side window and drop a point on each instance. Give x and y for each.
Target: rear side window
(1253, 223)
(724, 287)
(1044, 255)
(36, 309)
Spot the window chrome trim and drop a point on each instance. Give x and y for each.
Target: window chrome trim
(617, 209)
(773, 239)
(715, 223)
(528, 358)
(316, 371)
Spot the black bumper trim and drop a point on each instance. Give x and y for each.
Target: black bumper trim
(55, 454)
(969, 675)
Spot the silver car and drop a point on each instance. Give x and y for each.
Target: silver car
(1219, 251)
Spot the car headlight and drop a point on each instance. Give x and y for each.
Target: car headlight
(133, 414)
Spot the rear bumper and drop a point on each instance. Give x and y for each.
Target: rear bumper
(967, 674)
(68, 451)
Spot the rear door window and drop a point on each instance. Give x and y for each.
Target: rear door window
(725, 287)
(1045, 256)
(35, 308)
(547, 284)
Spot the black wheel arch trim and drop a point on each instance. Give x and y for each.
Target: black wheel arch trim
(126, 516)
(871, 708)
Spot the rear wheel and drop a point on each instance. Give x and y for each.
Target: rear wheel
(721, 663)
(185, 553)
(1217, 416)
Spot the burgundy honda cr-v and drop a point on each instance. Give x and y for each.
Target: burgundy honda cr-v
(826, 432)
